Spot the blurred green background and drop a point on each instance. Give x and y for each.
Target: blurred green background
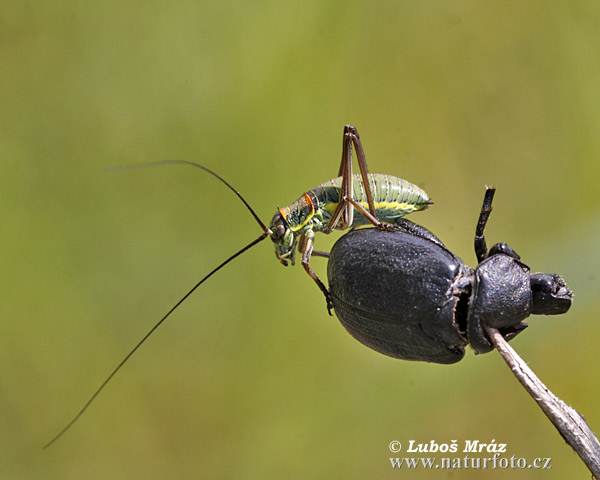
(251, 378)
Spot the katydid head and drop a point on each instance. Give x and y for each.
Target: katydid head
(284, 239)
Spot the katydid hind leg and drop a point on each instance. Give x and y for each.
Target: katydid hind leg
(344, 214)
(362, 165)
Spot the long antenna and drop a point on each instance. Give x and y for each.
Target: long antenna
(202, 167)
(139, 344)
(159, 323)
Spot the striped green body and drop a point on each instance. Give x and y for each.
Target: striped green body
(393, 198)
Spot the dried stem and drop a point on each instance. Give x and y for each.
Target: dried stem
(570, 424)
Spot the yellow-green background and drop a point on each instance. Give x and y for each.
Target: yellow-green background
(251, 378)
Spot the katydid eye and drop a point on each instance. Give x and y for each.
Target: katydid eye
(280, 230)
